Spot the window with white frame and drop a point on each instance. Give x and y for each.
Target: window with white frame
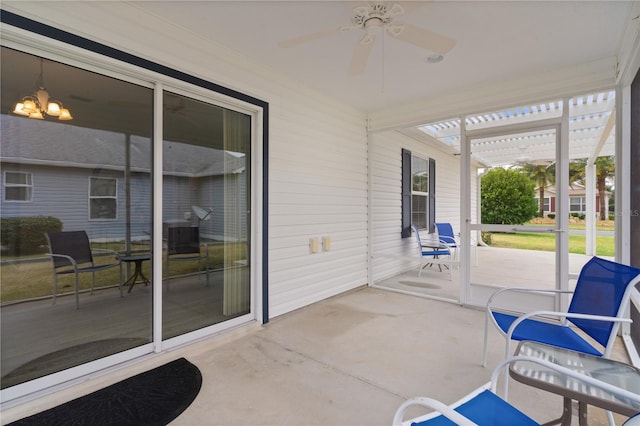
(577, 204)
(18, 186)
(547, 204)
(418, 193)
(103, 198)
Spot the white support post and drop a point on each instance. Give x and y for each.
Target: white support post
(590, 206)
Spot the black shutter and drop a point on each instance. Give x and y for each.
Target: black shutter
(406, 193)
(432, 195)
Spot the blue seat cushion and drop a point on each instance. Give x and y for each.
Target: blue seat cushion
(544, 332)
(436, 253)
(486, 409)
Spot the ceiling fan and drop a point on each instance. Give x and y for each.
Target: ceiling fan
(372, 19)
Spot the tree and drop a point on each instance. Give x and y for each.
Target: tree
(605, 170)
(542, 175)
(507, 197)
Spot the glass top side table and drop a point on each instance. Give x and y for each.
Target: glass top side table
(613, 372)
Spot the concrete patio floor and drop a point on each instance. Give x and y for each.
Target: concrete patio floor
(349, 360)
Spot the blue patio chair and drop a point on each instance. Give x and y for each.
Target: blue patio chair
(597, 308)
(448, 237)
(430, 251)
(483, 406)
(71, 253)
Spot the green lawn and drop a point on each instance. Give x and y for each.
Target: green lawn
(547, 242)
(34, 279)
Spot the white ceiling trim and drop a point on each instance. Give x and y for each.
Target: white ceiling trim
(593, 76)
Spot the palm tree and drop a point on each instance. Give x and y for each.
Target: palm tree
(605, 170)
(542, 174)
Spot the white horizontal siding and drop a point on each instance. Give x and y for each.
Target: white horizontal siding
(318, 188)
(386, 206)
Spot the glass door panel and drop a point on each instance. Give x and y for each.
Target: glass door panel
(88, 173)
(206, 211)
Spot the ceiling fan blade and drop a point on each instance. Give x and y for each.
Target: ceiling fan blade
(309, 37)
(411, 6)
(423, 38)
(360, 58)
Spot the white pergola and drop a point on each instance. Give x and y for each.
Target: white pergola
(591, 135)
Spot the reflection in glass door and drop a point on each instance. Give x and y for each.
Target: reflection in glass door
(206, 211)
(87, 174)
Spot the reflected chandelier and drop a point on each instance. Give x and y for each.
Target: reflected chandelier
(40, 104)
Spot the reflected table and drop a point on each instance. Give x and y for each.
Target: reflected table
(612, 372)
(137, 259)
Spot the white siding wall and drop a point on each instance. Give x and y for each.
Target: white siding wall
(318, 147)
(386, 167)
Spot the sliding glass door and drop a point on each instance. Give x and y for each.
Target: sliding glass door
(159, 184)
(206, 205)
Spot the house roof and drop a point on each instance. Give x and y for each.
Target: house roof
(58, 144)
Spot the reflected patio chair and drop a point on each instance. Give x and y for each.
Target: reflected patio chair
(483, 406)
(597, 309)
(183, 244)
(430, 250)
(71, 253)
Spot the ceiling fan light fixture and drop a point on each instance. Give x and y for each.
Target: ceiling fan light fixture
(434, 59)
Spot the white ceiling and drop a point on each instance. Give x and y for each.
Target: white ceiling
(495, 41)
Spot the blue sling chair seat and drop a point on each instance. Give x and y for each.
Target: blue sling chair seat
(431, 253)
(483, 407)
(597, 309)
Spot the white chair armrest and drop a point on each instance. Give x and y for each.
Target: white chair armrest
(521, 290)
(443, 409)
(524, 290)
(528, 315)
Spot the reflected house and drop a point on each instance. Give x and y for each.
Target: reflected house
(67, 182)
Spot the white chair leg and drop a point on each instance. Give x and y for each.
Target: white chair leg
(486, 341)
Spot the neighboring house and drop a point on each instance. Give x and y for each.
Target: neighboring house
(577, 200)
(58, 176)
